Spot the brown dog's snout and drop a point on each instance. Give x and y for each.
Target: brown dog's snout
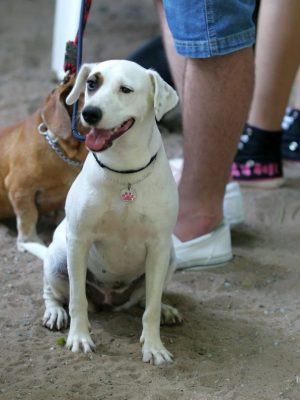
(92, 115)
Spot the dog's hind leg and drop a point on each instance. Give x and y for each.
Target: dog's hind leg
(170, 315)
(56, 290)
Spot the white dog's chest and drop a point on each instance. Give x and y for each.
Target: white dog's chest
(116, 263)
(120, 246)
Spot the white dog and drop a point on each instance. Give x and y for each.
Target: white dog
(115, 244)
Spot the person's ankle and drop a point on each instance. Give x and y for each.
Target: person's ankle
(188, 228)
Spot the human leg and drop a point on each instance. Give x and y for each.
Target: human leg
(215, 95)
(277, 57)
(211, 91)
(258, 160)
(296, 103)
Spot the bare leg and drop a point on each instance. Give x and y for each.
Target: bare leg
(177, 63)
(277, 60)
(215, 94)
(296, 102)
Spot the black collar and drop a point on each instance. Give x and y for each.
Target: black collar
(128, 171)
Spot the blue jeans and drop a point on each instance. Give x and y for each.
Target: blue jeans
(207, 28)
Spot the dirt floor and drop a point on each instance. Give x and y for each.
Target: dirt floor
(240, 338)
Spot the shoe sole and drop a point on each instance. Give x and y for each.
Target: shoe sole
(291, 167)
(222, 261)
(262, 183)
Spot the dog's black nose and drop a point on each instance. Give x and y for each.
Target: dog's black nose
(92, 115)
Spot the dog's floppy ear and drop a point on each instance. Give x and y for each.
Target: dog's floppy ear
(56, 114)
(165, 97)
(79, 83)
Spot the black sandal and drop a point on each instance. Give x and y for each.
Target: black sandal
(258, 160)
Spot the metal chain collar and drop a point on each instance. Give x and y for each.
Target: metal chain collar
(53, 142)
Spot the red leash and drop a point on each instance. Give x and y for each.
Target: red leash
(74, 47)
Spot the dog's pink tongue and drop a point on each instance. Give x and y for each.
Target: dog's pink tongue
(97, 139)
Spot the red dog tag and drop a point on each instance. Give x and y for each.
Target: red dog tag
(128, 195)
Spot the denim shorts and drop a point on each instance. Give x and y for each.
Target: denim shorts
(207, 28)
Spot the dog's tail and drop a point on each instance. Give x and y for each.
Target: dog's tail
(37, 249)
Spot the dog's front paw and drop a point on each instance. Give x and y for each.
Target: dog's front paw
(55, 317)
(170, 315)
(77, 340)
(154, 352)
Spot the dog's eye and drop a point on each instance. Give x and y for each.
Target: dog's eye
(91, 85)
(125, 89)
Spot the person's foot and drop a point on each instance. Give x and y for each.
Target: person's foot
(191, 226)
(258, 159)
(210, 250)
(201, 241)
(195, 225)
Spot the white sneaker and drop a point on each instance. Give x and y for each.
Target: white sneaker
(233, 202)
(233, 208)
(210, 250)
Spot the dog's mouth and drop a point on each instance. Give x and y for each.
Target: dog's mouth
(101, 139)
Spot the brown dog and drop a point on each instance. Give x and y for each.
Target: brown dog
(39, 160)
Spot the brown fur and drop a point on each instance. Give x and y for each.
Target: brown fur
(33, 179)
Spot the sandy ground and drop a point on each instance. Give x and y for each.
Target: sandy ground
(240, 338)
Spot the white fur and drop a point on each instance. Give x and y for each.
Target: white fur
(117, 241)
(35, 248)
